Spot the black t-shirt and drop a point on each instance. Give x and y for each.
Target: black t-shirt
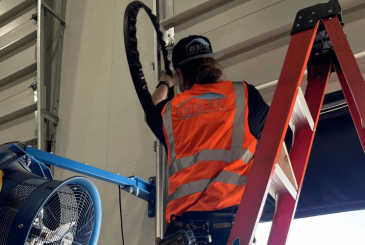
(257, 112)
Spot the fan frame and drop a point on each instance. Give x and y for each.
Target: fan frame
(34, 203)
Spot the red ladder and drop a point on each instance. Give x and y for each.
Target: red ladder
(265, 173)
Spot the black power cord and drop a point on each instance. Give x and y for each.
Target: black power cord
(120, 212)
(133, 57)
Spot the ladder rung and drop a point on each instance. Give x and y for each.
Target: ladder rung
(283, 181)
(281, 185)
(301, 116)
(285, 165)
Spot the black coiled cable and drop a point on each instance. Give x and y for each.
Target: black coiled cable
(130, 41)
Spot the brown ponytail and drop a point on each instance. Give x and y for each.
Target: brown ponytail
(200, 71)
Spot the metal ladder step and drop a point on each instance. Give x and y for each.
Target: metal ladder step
(283, 182)
(301, 116)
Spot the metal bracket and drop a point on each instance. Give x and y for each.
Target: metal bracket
(307, 18)
(36, 166)
(46, 7)
(49, 116)
(134, 185)
(152, 200)
(169, 38)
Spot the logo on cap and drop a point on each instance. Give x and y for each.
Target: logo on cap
(198, 46)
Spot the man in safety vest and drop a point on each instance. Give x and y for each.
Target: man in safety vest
(210, 131)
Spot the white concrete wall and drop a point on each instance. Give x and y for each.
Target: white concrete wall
(101, 120)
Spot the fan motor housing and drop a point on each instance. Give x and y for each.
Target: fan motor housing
(24, 195)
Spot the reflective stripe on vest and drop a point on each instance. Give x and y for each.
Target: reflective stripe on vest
(200, 185)
(236, 152)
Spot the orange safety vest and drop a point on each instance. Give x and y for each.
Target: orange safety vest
(210, 147)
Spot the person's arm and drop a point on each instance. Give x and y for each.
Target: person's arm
(257, 111)
(154, 121)
(160, 98)
(165, 87)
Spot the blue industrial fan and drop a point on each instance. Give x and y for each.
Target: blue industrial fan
(37, 210)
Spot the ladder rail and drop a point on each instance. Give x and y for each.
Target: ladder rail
(352, 106)
(279, 116)
(267, 153)
(299, 154)
(351, 79)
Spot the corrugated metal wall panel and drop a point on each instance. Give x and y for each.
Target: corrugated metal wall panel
(17, 70)
(25, 18)
(22, 129)
(254, 35)
(12, 9)
(182, 5)
(17, 37)
(17, 101)
(12, 64)
(219, 18)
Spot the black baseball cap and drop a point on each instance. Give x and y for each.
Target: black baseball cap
(191, 48)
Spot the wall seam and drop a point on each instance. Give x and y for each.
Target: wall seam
(243, 16)
(109, 106)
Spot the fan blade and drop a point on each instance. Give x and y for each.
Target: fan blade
(58, 234)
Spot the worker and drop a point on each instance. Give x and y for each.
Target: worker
(210, 131)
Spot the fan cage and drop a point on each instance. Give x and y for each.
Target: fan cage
(12, 203)
(66, 218)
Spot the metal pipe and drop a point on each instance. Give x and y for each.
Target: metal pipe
(160, 164)
(159, 183)
(41, 93)
(160, 191)
(163, 10)
(55, 94)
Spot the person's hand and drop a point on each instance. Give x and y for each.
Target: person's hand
(171, 80)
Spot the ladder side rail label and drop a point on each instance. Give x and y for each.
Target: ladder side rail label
(268, 150)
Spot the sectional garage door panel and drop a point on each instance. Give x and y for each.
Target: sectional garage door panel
(254, 35)
(18, 22)
(22, 129)
(17, 37)
(18, 64)
(12, 64)
(222, 19)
